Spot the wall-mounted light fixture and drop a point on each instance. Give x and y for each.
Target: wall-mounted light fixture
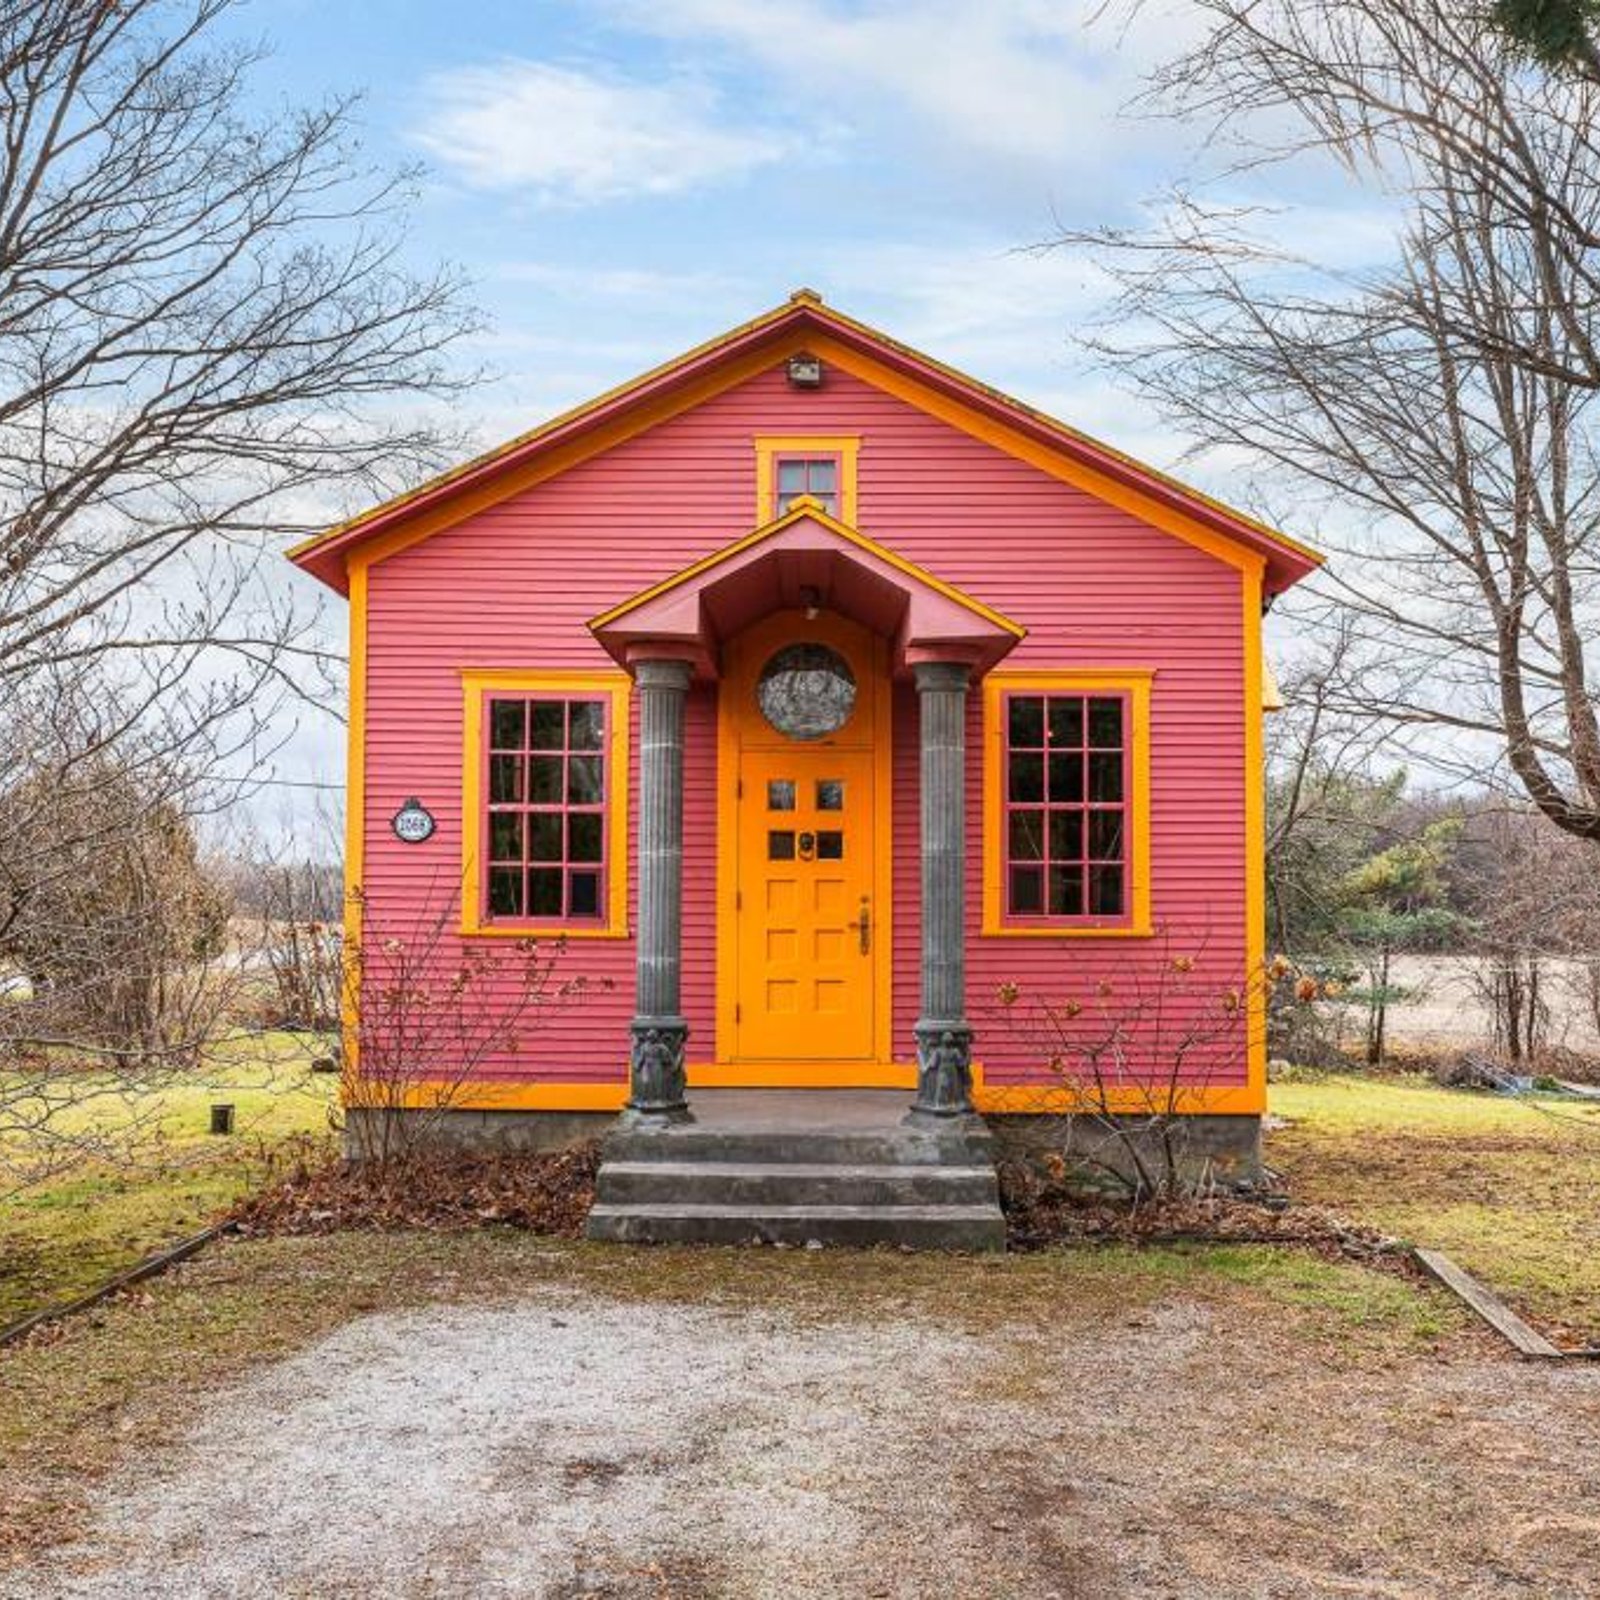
(811, 599)
(805, 371)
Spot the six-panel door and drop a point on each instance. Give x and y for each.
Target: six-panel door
(806, 969)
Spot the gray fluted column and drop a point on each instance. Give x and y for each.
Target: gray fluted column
(944, 1036)
(659, 1033)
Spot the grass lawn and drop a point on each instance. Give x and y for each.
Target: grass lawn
(1509, 1188)
(70, 1232)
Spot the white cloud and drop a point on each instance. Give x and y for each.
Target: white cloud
(1037, 81)
(570, 136)
(636, 285)
(982, 306)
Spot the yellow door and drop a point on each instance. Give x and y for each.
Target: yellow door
(806, 936)
(804, 859)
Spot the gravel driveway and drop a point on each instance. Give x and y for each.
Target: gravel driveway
(569, 1444)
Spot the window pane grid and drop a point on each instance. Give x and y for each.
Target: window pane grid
(545, 832)
(1066, 786)
(817, 476)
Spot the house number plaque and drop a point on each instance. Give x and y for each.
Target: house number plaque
(413, 822)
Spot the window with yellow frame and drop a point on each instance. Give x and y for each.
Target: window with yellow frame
(1066, 846)
(821, 465)
(544, 804)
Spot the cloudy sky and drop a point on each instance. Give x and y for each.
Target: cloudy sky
(623, 178)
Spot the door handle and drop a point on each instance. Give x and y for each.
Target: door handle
(863, 926)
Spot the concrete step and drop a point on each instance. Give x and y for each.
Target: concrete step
(794, 1183)
(917, 1227)
(896, 1147)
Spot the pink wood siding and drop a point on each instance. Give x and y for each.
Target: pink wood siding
(513, 587)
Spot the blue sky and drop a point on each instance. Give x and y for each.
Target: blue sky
(623, 178)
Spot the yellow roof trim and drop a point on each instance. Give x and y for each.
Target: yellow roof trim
(840, 322)
(1177, 485)
(553, 424)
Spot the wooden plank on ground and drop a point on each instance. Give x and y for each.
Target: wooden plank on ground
(1494, 1311)
(147, 1268)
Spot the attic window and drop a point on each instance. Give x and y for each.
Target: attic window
(814, 475)
(822, 465)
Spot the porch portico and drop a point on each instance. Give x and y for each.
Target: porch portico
(797, 970)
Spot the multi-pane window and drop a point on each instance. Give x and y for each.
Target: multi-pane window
(1066, 826)
(545, 831)
(817, 476)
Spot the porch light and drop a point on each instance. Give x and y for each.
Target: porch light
(805, 371)
(811, 599)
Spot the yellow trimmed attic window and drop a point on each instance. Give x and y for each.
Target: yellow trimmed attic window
(822, 466)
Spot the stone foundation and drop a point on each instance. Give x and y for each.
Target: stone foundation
(1206, 1150)
(481, 1132)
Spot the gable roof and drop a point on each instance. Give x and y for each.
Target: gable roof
(802, 322)
(808, 556)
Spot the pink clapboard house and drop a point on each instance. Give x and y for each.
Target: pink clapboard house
(833, 722)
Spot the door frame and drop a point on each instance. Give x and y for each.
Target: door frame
(737, 679)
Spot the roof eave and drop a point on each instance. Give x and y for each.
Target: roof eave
(1286, 560)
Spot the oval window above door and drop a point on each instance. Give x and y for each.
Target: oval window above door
(806, 691)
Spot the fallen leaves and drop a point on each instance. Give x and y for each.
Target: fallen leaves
(548, 1193)
(1041, 1215)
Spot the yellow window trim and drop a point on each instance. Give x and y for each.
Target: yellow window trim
(769, 446)
(1135, 683)
(476, 682)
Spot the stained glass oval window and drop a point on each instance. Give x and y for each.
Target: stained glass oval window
(807, 691)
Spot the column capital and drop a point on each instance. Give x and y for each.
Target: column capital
(661, 672)
(932, 676)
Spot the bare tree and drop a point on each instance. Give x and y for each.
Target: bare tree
(1534, 901)
(1440, 404)
(197, 309)
(1326, 805)
(210, 341)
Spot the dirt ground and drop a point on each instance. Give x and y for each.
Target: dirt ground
(1227, 1425)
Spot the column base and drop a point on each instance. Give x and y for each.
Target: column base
(656, 1078)
(944, 1071)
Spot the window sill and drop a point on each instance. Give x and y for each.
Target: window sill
(1070, 930)
(539, 930)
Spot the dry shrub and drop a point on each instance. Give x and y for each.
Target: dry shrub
(1041, 1211)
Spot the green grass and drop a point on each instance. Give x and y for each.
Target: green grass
(1509, 1188)
(169, 1176)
